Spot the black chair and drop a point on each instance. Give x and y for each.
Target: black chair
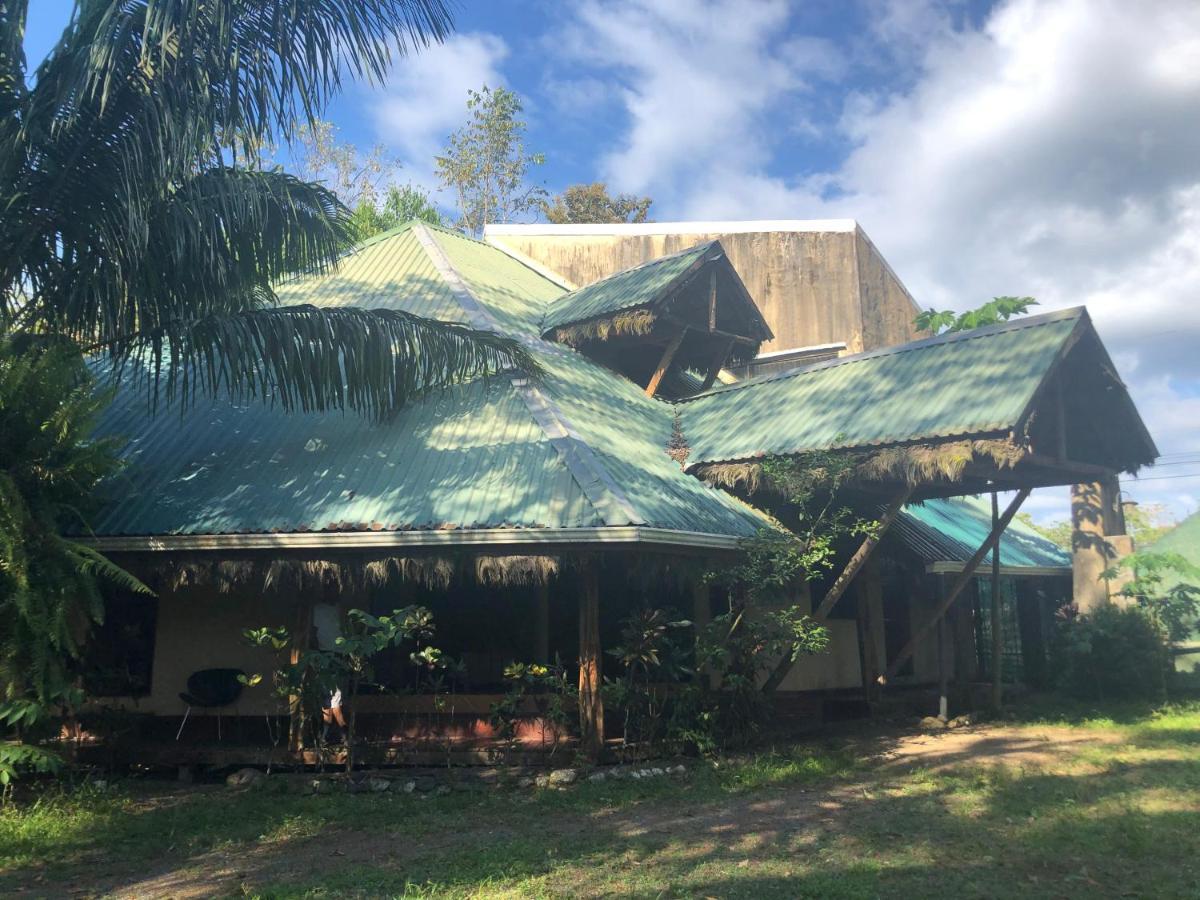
(211, 689)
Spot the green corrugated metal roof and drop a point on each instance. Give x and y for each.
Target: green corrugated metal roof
(952, 530)
(634, 287)
(473, 456)
(470, 457)
(963, 384)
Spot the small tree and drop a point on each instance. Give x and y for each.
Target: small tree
(587, 203)
(357, 177)
(486, 164)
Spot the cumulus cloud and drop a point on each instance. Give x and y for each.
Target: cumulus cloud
(1050, 149)
(426, 94)
(696, 79)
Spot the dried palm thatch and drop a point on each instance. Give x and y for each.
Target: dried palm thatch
(510, 570)
(922, 463)
(630, 321)
(915, 464)
(350, 574)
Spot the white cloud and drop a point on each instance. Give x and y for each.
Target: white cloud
(697, 79)
(426, 95)
(1052, 150)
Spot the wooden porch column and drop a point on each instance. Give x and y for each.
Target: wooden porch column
(591, 706)
(960, 582)
(869, 589)
(997, 626)
(543, 623)
(701, 617)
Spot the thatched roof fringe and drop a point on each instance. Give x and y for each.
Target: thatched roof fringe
(915, 464)
(340, 575)
(506, 570)
(630, 321)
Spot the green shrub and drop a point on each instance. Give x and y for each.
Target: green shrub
(1112, 652)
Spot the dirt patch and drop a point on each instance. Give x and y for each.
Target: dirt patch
(993, 745)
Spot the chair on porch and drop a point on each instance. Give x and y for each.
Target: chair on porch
(211, 689)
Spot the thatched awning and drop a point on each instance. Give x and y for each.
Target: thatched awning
(1031, 403)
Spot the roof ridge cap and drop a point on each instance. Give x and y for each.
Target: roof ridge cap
(937, 340)
(596, 482)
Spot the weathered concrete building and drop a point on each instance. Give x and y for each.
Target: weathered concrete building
(815, 281)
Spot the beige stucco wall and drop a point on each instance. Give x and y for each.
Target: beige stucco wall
(813, 287)
(200, 628)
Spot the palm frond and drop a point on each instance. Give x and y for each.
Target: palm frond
(304, 358)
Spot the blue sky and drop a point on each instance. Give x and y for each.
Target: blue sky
(1042, 147)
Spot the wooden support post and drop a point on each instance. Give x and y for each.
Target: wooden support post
(543, 623)
(718, 360)
(943, 673)
(870, 602)
(664, 363)
(701, 617)
(997, 628)
(860, 557)
(712, 300)
(1060, 420)
(591, 706)
(961, 581)
(857, 561)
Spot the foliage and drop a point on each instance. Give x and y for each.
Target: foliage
(486, 164)
(1145, 523)
(303, 679)
(726, 706)
(356, 177)
(550, 690)
(1113, 652)
(806, 491)
(1158, 586)
(651, 657)
(1125, 651)
(588, 203)
(995, 311)
(131, 228)
(50, 586)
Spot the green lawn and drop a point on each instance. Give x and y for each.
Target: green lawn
(1059, 804)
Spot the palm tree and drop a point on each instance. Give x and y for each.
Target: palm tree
(129, 226)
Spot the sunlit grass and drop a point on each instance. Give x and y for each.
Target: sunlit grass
(1111, 816)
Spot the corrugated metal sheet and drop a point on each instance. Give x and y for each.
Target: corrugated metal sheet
(624, 429)
(963, 384)
(952, 530)
(625, 290)
(470, 457)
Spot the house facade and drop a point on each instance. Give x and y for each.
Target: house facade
(532, 513)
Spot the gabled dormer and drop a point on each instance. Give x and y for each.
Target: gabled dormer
(670, 324)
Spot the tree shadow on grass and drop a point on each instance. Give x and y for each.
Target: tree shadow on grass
(964, 829)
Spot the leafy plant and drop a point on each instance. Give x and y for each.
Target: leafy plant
(486, 164)
(1110, 653)
(304, 676)
(995, 311)
(651, 658)
(548, 688)
(50, 585)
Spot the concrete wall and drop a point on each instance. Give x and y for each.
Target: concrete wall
(814, 285)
